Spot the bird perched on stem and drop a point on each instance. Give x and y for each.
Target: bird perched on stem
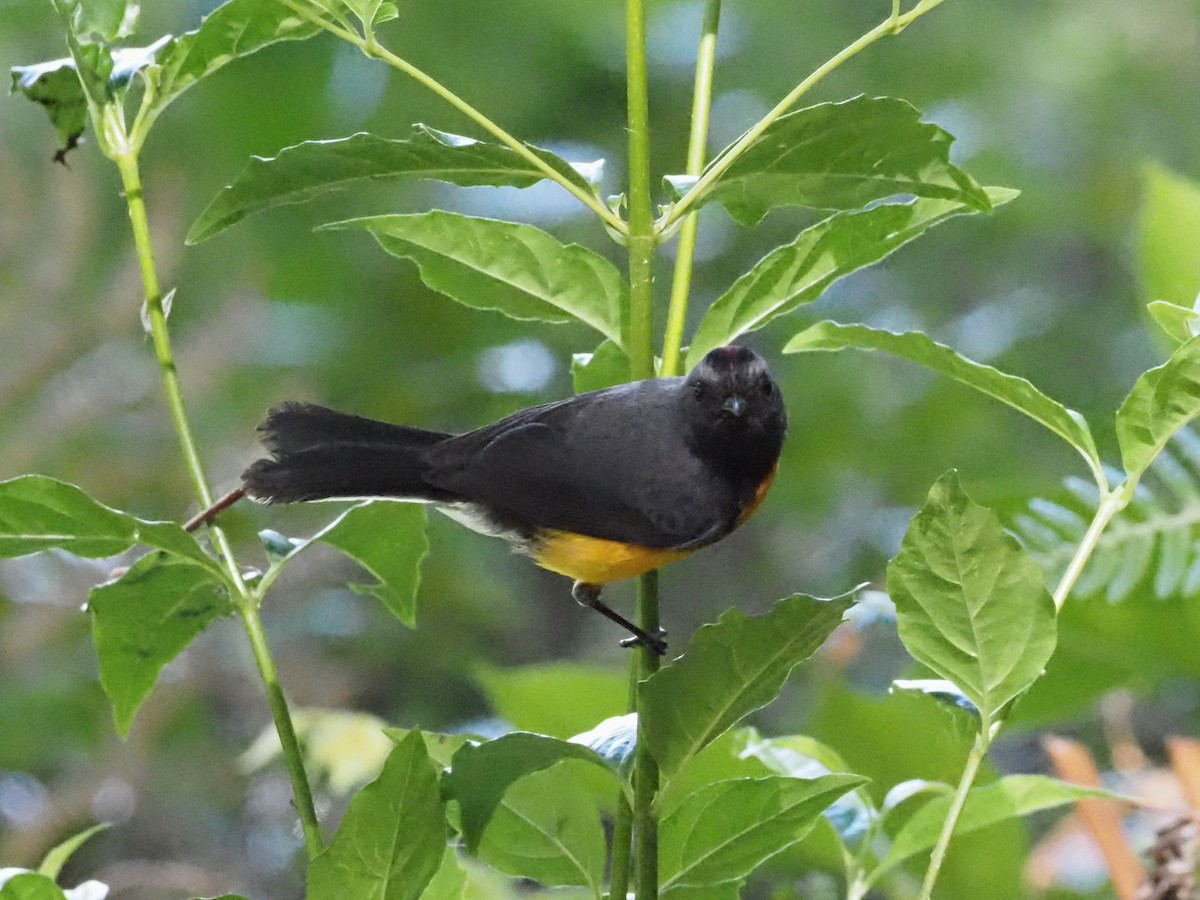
(600, 487)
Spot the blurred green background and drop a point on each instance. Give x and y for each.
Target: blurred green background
(1068, 101)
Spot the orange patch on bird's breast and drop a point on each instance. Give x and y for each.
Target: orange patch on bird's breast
(598, 560)
(759, 495)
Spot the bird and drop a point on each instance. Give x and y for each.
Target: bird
(600, 487)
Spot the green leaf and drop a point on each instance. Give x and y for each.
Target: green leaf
(548, 828)
(606, 366)
(518, 270)
(730, 669)
(39, 513)
(1177, 322)
(1010, 797)
(441, 747)
(970, 602)
(559, 698)
(799, 272)
(304, 171)
(31, 886)
(107, 19)
(55, 87)
(450, 881)
(726, 830)
(371, 12)
(799, 756)
(1018, 393)
(387, 538)
(141, 621)
(481, 773)
(57, 857)
(392, 839)
(1168, 232)
(234, 29)
(1162, 401)
(842, 156)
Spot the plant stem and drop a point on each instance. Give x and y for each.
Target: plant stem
(245, 601)
(681, 283)
(645, 772)
(641, 237)
(292, 758)
(622, 838)
(891, 25)
(1112, 504)
(372, 49)
(978, 752)
(641, 242)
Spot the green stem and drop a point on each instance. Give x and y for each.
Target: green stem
(1112, 504)
(641, 237)
(645, 771)
(641, 242)
(622, 838)
(372, 49)
(978, 752)
(891, 25)
(131, 180)
(245, 601)
(292, 758)
(681, 283)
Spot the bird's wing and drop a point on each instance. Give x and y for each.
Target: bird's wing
(548, 471)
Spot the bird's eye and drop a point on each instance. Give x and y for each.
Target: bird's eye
(767, 386)
(698, 390)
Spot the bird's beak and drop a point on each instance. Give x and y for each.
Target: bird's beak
(735, 405)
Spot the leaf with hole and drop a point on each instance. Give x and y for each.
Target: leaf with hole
(142, 621)
(799, 272)
(392, 839)
(1017, 392)
(515, 269)
(730, 669)
(840, 156)
(971, 604)
(304, 171)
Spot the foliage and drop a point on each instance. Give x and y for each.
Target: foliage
(710, 805)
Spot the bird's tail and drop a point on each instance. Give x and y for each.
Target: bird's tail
(319, 454)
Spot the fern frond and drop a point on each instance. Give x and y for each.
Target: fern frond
(1152, 548)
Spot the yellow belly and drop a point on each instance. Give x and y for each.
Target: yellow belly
(598, 560)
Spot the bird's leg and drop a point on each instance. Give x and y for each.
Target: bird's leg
(589, 595)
